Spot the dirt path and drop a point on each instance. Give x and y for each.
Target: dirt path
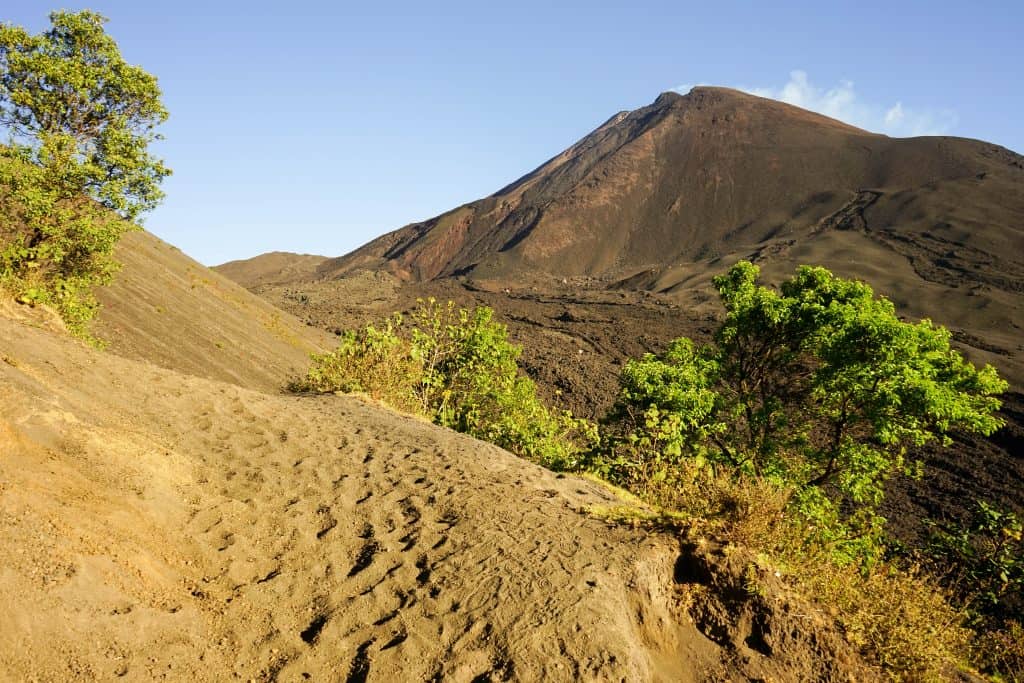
(162, 526)
(416, 556)
(157, 526)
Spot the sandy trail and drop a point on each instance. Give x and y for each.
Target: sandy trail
(157, 525)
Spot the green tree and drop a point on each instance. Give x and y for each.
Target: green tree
(819, 386)
(71, 83)
(77, 169)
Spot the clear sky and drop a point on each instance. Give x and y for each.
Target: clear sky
(316, 126)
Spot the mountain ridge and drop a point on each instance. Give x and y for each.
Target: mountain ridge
(934, 224)
(687, 177)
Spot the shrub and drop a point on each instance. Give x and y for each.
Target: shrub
(900, 618)
(457, 368)
(372, 361)
(1000, 651)
(982, 562)
(984, 559)
(818, 386)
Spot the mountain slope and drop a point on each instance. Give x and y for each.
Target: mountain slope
(168, 309)
(699, 175)
(157, 525)
(665, 197)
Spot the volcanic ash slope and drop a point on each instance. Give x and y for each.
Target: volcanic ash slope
(157, 525)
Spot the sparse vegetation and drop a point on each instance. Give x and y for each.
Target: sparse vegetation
(776, 440)
(457, 368)
(779, 436)
(76, 172)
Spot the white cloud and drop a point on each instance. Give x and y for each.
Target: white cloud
(895, 115)
(844, 103)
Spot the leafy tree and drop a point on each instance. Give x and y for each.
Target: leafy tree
(77, 168)
(71, 84)
(819, 386)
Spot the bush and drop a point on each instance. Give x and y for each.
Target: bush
(984, 559)
(1000, 651)
(982, 563)
(819, 387)
(457, 368)
(901, 619)
(371, 361)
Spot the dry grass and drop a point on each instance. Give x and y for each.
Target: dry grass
(899, 618)
(1002, 650)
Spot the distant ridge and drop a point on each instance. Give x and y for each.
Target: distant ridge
(275, 267)
(700, 175)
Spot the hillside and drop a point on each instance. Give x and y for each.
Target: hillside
(207, 475)
(607, 251)
(166, 308)
(168, 513)
(158, 525)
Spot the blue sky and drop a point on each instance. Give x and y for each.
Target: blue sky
(316, 126)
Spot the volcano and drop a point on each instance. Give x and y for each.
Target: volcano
(607, 251)
(701, 175)
(662, 198)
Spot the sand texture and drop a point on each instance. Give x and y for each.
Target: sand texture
(160, 526)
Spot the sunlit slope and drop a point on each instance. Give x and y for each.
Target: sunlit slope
(161, 525)
(166, 308)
